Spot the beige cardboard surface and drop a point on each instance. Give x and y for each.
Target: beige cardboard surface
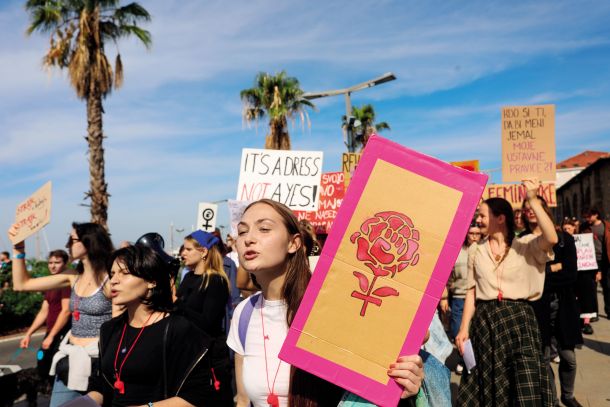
(528, 143)
(33, 213)
(335, 323)
(515, 193)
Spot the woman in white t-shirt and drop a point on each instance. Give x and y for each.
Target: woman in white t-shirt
(269, 244)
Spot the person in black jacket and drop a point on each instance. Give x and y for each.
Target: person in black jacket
(557, 311)
(148, 355)
(203, 297)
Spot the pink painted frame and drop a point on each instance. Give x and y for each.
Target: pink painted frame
(471, 184)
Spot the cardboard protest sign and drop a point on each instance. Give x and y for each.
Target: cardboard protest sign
(349, 162)
(528, 143)
(332, 191)
(290, 177)
(383, 269)
(33, 213)
(236, 210)
(470, 165)
(515, 193)
(206, 216)
(585, 252)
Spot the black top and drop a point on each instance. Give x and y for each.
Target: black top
(557, 310)
(141, 371)
(204, 307)
(170, 359)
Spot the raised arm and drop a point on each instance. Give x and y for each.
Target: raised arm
(549, 235)
(22, 280)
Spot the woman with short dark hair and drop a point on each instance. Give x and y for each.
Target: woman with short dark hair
(147, 354)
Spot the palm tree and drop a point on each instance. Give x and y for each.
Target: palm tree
(79, 30)
(366, 115)
(280, 97)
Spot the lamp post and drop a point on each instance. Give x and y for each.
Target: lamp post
(351, 121)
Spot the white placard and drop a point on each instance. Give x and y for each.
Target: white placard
(206, 216)
(585, 251)
(289, 177)
(236, 209)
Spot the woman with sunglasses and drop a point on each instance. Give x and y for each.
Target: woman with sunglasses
(90, 305)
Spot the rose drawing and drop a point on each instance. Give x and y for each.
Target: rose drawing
(387, 243)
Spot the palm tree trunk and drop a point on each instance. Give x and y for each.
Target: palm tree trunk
(278, 138)
(98, 192)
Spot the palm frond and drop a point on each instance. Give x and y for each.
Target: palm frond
(131, 14)
(44, 16)
(143, 35)
(382, 126)
(118, 72)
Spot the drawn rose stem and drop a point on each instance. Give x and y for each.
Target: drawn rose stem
(367, 297)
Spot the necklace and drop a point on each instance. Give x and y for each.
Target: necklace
(500, 262)
(272, 398)
(119, 384)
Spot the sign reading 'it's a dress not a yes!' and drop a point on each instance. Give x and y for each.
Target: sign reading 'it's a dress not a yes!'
(383, 268)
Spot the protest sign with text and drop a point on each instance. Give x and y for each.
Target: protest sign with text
(289, 177)
(515, 193)
(332, 190)
(349, 162)
(33, 213)
(585, 252)
(236, 210)
(528, 143)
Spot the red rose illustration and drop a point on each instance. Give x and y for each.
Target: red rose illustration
(387, 244)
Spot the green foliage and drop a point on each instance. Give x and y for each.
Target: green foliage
(18, 309)
(279, 97)
(366, 115)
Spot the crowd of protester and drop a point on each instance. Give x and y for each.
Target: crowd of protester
(126, 327)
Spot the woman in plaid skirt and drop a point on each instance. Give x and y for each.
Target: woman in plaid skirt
(505, 273)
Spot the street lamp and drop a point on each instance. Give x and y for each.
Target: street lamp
(387, 77)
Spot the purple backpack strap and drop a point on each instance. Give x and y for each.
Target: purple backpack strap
(244, 319)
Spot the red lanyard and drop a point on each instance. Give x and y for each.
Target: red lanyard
(118, 384)
(272, 398)
(76, 313)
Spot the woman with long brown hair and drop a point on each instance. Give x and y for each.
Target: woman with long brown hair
(269, 244)
(505, 274)
(203, 296)
(90, 305)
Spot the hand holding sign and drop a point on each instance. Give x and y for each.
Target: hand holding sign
(32, 214)
(531, 187)
(13, 232)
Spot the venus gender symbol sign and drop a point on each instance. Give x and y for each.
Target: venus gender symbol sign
(207, 214)
(387, 244)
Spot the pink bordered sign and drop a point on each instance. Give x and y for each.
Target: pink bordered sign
(383, 269)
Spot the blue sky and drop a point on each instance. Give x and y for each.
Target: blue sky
(175, 132)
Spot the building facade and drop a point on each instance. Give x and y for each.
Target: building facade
(590, 187)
